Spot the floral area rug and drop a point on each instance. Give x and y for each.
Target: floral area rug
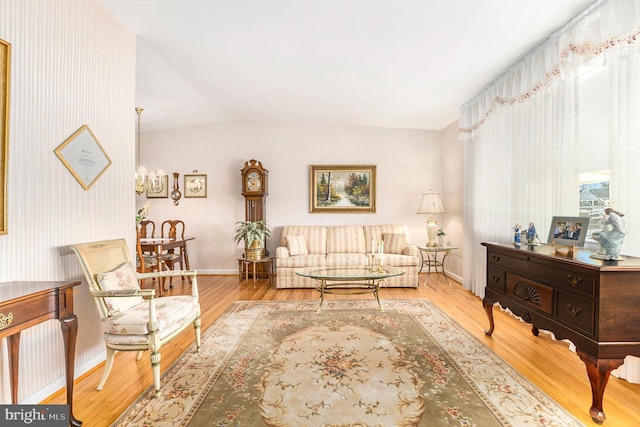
(351, 364)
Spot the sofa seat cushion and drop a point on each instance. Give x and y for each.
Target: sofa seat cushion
(309, 260)
(395, 260)
(346, 260)
(172, 312)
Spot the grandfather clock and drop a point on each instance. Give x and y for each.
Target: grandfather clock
(254, 190)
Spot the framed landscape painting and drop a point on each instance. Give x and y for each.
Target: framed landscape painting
(342, 189)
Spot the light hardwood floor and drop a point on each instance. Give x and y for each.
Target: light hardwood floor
(547, 363)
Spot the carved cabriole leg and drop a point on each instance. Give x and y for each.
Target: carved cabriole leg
(69, 327)
(488, 308)
(598, 371)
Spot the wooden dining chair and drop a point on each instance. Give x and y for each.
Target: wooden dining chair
(173, 229)
(145, 261)
(147, 229)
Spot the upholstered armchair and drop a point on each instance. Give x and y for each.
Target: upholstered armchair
(132, 318)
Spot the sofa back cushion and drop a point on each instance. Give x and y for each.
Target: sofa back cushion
(345, 239)
(315, 237)
(376, 233)
(297, 245)
(394, 243)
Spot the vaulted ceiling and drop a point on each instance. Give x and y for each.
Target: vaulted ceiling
(380, 63)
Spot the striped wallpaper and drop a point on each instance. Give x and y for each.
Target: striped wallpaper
(73, 64)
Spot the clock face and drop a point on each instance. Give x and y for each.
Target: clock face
(253, 181)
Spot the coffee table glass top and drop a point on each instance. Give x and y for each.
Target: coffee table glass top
(348, 273)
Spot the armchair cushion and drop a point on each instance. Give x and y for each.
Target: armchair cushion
(296, 245)
(121, 278)
(394, 243)
(172, 311)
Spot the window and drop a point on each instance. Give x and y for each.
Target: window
(593, 134)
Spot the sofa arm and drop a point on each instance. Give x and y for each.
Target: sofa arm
(411, 250)
(282, 252)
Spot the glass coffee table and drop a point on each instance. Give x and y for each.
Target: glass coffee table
(349, 280)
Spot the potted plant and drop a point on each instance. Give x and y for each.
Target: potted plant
(441, 235)
(253, 234)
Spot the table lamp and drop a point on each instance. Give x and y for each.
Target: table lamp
(431, 204)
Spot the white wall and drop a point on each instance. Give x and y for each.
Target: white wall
(72, 64)
(452, 186)
(408, 164)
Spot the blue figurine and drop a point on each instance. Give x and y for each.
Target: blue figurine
(516, 236)
(531, 233)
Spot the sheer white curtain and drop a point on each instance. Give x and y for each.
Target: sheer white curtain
(522, 145)
(521, 149)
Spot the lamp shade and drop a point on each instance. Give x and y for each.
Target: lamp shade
(430, 204)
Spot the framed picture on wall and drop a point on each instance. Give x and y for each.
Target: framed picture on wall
(342, 189)
(568, 230)
(83, 156)
(159, 189)
(195, 185)
(5, 67)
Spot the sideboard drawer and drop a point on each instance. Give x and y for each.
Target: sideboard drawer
(579, 280)
(496, 279)
(577, 312)
(533, 294)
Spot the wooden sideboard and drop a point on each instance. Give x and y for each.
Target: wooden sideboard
(26, 304)
(593, 303)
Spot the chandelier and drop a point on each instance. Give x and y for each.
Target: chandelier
(150, 181)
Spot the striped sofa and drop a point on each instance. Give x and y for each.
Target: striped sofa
(304, 246)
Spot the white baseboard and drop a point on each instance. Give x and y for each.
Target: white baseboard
(61, 382)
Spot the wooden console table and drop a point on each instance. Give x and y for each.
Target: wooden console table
(593, 303)
(26, 304)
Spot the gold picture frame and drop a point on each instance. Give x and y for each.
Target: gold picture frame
(195, 185)
(160, 190)
(5, 85)
(342, 189)
(83, 156)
